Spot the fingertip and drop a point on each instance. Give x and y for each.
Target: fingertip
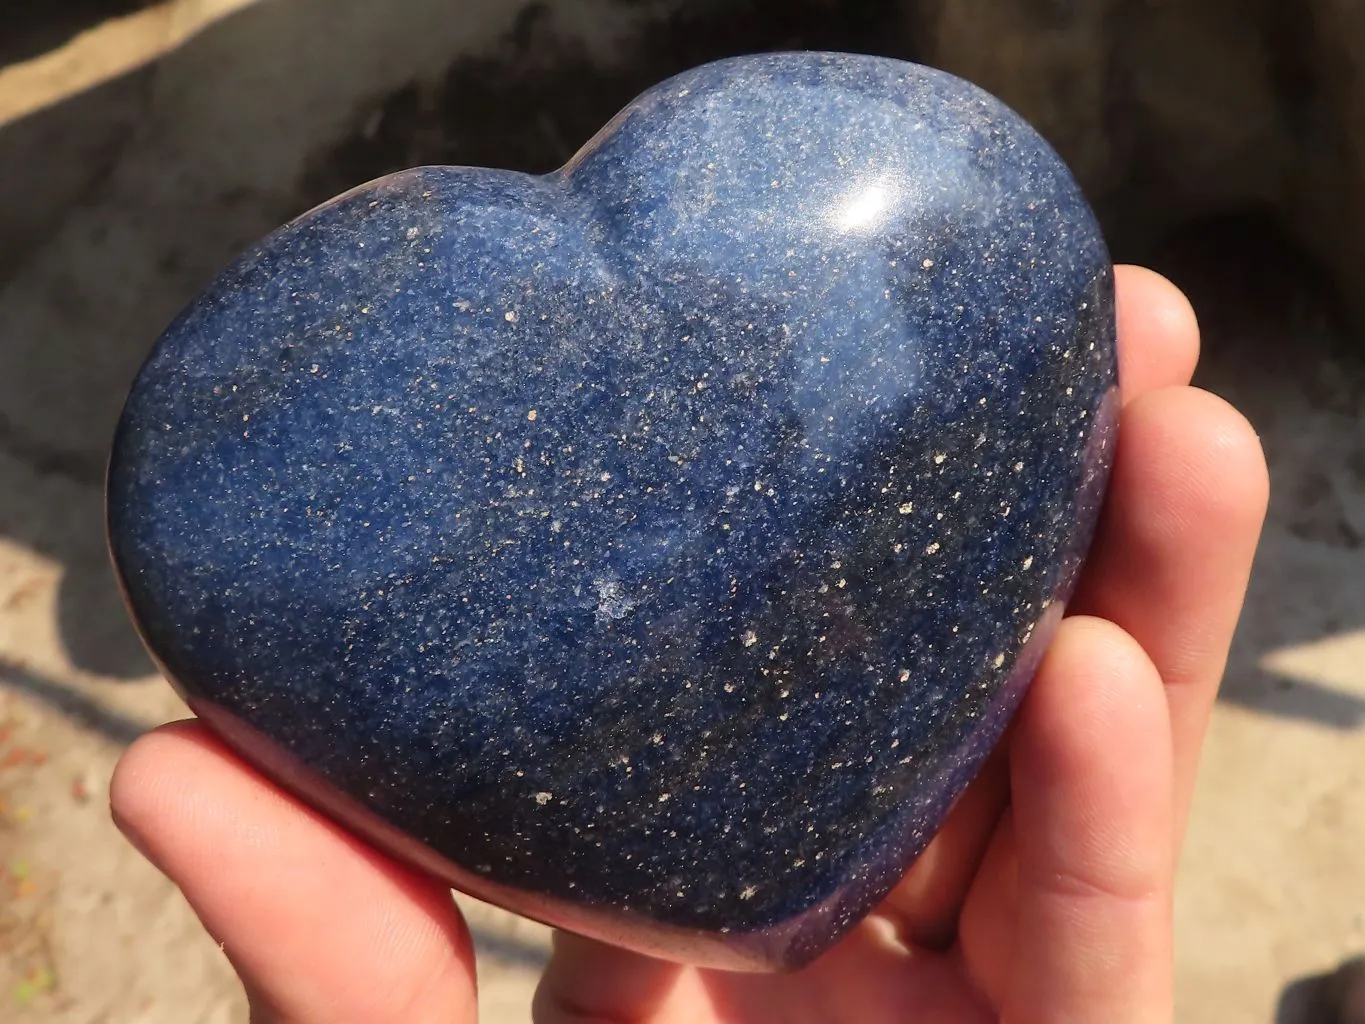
(1096, 686)
(1092, 811)
(1158, 331)
(154, 762)
(1201, 460)
(1160, 301)
(1091, 762)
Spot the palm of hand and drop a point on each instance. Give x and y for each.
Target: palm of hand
(1047, 896)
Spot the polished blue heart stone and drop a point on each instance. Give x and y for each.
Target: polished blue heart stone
(655, 547)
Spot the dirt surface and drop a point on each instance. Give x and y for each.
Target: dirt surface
(142, 144)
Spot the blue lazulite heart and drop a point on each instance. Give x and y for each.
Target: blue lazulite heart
(656, 547)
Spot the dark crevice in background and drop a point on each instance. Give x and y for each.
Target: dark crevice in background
(533, 102)
(1253, 286)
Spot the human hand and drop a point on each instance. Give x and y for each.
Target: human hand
(1046, 896)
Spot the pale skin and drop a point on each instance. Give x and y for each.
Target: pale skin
(1047, 897)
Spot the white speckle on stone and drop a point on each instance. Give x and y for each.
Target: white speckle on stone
(1028, 562)
(1018, 467)
(543, 798)
(999, 660)
(532, 414)
(612, 601)
(749, 638)
(907, 508)
(939, 459)
(510, 316)
(932, 549)
(905, 675)
(748, 892)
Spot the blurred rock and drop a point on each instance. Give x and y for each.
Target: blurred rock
(1343, 998)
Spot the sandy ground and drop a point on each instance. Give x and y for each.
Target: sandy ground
(137, 154)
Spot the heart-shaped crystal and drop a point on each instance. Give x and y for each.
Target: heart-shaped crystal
(656, 547)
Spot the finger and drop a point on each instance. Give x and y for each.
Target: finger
(925, 905)
(587, 981)
(988, 929)
(1157, 330)
(864, 979)
(1093, 850)
(1171, 561)
(1158, 347)
(319, 927)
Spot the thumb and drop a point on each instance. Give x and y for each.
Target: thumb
(319, 927)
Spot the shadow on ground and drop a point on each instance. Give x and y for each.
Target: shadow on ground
(75, 705)
(1333, 997)
(34, 29)
(116, 213)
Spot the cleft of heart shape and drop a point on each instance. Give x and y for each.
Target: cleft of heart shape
(656, 547)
